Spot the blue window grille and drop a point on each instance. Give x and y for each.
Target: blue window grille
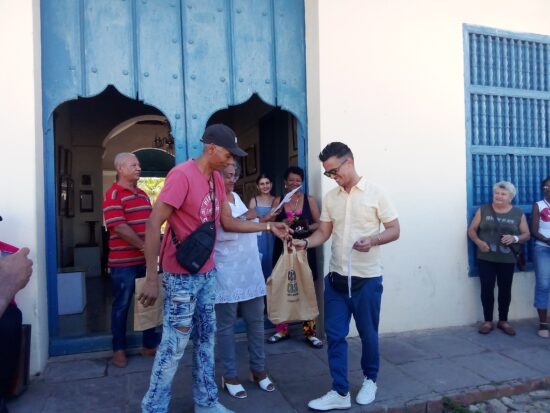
(507, 79)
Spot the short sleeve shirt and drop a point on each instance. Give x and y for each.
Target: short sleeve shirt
(187, 190)
(125, 206)
(353, 215)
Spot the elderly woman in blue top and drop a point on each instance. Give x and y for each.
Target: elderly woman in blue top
(239, 283)
(494, 229)
(540, 228)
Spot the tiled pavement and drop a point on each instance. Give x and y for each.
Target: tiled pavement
(417, 370)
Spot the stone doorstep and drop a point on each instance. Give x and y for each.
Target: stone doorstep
(468, 396)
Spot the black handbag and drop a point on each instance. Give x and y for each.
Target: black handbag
(517, 249)
(193, 252)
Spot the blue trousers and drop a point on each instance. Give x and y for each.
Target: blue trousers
(364, 305)
(542, 276)
(123, 280)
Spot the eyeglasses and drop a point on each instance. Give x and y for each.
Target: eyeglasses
(334, 171)
(546, 188)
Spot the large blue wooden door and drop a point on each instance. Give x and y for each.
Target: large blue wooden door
(188, 58)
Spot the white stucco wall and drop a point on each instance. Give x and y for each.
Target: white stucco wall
(22, 185)
(384, 77)
(387, 78)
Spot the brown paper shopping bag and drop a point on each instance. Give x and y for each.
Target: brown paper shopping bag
(147, 317)
(290, 289)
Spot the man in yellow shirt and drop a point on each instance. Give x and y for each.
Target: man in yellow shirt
(360, 218)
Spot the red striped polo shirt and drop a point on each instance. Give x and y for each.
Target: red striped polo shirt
(124, 206)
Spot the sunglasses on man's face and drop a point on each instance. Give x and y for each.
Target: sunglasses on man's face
(334, 171)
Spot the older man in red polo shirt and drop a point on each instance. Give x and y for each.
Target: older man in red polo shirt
(126, 209)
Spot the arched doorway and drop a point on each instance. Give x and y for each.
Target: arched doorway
(88, 133)
(186, 60)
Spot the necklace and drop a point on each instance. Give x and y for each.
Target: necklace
(296, 202)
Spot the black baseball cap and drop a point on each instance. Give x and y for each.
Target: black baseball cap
(224, 136)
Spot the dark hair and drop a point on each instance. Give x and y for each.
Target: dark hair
(544, 181)
(262, 176)
(337, 149)
(296, 170)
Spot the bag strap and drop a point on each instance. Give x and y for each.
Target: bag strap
(212, 191)
(515, 251)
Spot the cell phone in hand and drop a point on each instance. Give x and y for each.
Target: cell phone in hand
(7, 249)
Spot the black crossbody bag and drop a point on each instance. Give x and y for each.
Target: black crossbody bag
(516, 249)
(193, 252)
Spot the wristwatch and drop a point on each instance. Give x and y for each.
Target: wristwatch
(268, 227)
(516, 239)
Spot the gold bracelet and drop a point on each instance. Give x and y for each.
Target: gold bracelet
(307, 243)
(268, 227)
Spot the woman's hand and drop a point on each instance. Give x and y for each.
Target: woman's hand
(483, 246)
(508, 239)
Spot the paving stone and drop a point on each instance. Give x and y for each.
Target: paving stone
(445, 345)
(497, 406)
(495, 367)
(299, 392)
(540, 394)
(75, 370)
(136, 363)
(535, 357)
(283, 366)
(93, 395)
(36, 396)
(398, 352)
(416, 371)
(494, 341)
(442, 376)
(393, 383)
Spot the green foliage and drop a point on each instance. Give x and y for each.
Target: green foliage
(451, 406)
(152, 187)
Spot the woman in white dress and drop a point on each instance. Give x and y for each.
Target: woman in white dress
(239, 284)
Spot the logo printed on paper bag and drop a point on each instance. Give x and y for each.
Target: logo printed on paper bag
(292, 286)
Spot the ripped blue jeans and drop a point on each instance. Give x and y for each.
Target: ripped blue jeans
(188, 304)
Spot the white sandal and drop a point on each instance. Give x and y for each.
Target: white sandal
(265, 384)
(235, 390)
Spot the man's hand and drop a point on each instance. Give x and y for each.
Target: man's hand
(363, 244)
(280, 230)
(150, 291)
(15, 270)
(299, 244)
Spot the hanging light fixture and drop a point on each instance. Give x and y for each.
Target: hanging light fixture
(166, 143)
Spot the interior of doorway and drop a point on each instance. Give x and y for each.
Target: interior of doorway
(269, 135)
(88, 133)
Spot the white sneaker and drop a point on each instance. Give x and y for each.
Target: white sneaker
(367, 393)
(331, 400)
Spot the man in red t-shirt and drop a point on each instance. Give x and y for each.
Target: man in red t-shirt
(186, 202)
(126, 208)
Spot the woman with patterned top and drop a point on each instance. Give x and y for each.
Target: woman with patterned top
(540, 228)
(302, 214)
(494, 229)
(239, 284)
